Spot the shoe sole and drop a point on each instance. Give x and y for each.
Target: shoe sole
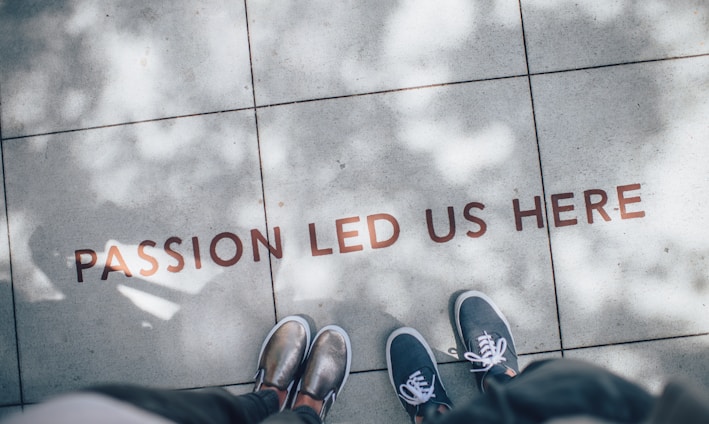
(472, 293)
(275, 328)
(412, 332)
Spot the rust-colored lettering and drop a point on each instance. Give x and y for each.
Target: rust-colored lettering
(237, 253)
(537, 211)
(113, 252)
(146, 257)
(342, 235)
(472, 218)
(556, 209)
(197, 254)
(598, 206)
(256, 236)
(314, 250)
(168, 249)
(81, 266)
(378, 244)
(622, 201)
(432, 231)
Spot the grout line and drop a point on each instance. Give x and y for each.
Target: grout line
(541, 352)
(657, 339)
(121, 124)
(9, 257)
(369, 93)
(611, 65)
(392, 90)
(253, 89)
(541, 175)
(445, 84)
(260, 166)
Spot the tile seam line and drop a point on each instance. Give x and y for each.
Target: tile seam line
(469, 81)
(344, 96)
(124, 124)
(463, 361)
(632, 342)
(616, 64)
(9, 254)
(542, 352)
(541, 176)
(260, 164)
(264, 106)
(392, 90)
(12, 289)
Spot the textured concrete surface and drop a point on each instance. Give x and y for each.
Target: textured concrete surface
(180, 175)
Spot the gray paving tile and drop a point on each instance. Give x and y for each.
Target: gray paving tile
(652, 364)
(566, 34)
(641, 128)
(319, 49)
(9, 374)
(5, 412)
(240, 389)
(399, 154)
(183, 319)
(75, 64)
(369, 397)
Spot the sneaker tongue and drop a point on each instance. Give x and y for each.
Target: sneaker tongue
(428, 373)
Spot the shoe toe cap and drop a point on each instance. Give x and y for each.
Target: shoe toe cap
(283, 355)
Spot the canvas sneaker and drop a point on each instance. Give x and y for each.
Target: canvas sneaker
(413, 373)
(486, 335)
(282, 353)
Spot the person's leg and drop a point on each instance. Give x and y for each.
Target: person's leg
(301, 415)
(555, 389)
(413, 373)
(204, 406)
(282, 353)
(485, 333)
(545, 390)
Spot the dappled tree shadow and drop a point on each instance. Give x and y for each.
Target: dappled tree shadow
(399, 152)
(78, 64)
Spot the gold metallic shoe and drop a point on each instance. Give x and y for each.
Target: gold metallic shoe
(327, 368)
(282, 354)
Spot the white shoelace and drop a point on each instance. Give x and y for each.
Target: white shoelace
(416, 390)
(491, 353)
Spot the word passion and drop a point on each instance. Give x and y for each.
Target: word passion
(595, 206)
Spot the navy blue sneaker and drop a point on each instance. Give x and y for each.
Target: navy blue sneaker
(486, 335)
(414, 374)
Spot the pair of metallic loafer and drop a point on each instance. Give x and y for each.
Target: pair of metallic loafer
(287, 349)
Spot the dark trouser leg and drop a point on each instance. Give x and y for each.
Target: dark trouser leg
(553, 389)
(300, 415)
(209, 406)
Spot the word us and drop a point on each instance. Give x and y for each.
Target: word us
(227, 249)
